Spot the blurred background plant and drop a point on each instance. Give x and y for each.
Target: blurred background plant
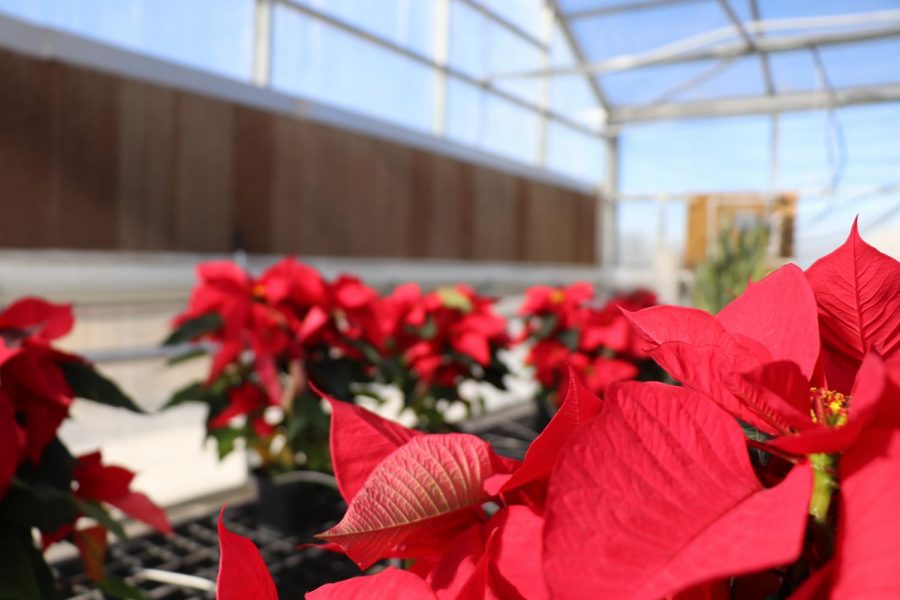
(278, 340)
(273, 339)
(436, 342)
(566, 326)
(47, 495)
(739, 255)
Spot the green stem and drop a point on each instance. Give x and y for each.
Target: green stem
(824, 484)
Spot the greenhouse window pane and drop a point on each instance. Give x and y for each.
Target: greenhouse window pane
(690, 156)
(313, 59)
(484, 120)
(480, 47)
(465, 112)
(637, 233)
(868, 63)
(574, 153)
(568, 6)
(510, 130)
(638, 31)
(803, 150)
(526, 14)
(794, 71)
(561, 54)
(150, 27)
(700, 80)
(407, 23)
(571, 96)
(743, 77)
(810, 153)
(779, 9)
(871, 134)
(648, 84)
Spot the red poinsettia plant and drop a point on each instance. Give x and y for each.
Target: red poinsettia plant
(277, 337)
(270, 337)
(43, 488)
(565, 326)
(435, 341)
(771, 472)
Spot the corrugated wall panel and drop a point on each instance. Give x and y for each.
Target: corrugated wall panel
(90, 160)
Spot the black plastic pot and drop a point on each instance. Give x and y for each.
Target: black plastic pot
(297, 502)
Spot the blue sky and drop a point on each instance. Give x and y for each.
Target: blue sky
(314, 60)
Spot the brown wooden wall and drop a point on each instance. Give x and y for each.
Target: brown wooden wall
(90, 160)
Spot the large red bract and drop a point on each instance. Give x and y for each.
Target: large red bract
(651, 492)
(656, 494)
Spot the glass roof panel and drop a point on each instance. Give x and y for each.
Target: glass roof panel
(794, 71)
(569, 6)
(782, 9)
(648, 84)
(868, 63)
(676, 155)
(742, 9)
(638, 31)
(526, 14)
(479, 47)
(865, 63)
(570, 95)
(403, 22)
(743, 77)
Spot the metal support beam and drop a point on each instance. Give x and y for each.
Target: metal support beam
(262, 42)
(775, 154)
(602, 11)
(698, 49)
(699, 79)
(599, 95)
(543, 126)
(758, 105)
(477, 6)
(763, 57)
(441, 24)
(750, 41)
(607, 225)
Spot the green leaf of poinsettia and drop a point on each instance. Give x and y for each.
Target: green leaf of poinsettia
(23, 572)
(191, 352)
(86, 382)
(195, 392)
(96, 512)
(118, 588)
(194, 328)
(225, 438)
(37, 505)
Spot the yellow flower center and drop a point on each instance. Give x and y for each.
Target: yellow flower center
(259, 291)
(557, 296)
(828, 407)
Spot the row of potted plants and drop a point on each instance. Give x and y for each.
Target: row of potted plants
(770, 472)
(280, 340)
(277, 343)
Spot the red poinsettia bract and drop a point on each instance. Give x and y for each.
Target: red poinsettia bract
(439, 334)
(566, 330)
(810, 360)
(254, 313)
(651, 492)
(34, 395)
(42, 487)
(469, 520)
